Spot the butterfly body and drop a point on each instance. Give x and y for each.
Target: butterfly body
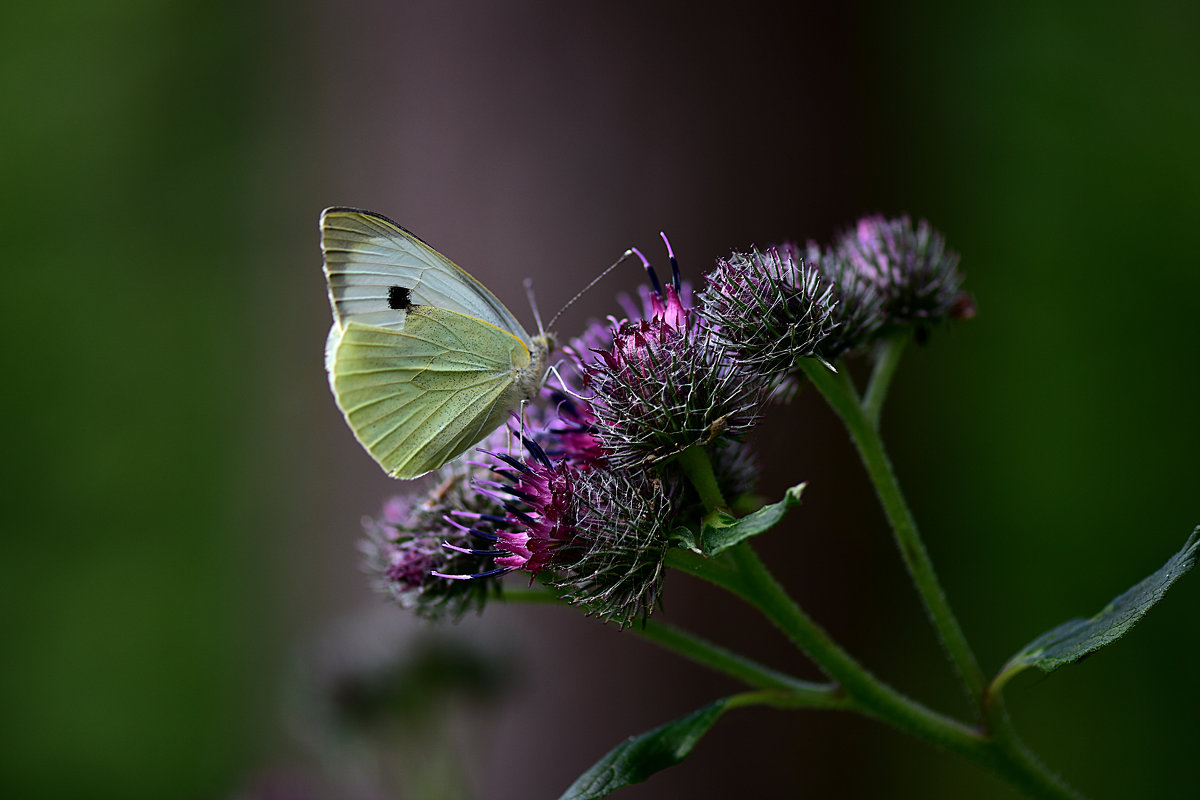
(423, 360)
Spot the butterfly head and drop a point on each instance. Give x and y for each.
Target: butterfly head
(533, 376)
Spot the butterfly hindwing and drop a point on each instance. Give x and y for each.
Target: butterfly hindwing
(376, 270)
(419, 395)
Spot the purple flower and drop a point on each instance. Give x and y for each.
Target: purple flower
(857, 305)
(583, 490)
(767, 309)
(772, 308)
(597, 535)
(665, 384)
(414, 545)
(573, 434)
(910, 267)
(587, 507)
(537, 497)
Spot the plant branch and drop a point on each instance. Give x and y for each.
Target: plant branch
(771, 698)
(865, 435)
(998, 750)
(698, 468)
(715, 657)
(887, 358)
(750, 580)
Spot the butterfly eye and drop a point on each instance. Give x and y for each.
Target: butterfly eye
(398, 298)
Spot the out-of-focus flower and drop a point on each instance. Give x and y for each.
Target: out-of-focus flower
(909, 266)
(415, 544)
(857, 305)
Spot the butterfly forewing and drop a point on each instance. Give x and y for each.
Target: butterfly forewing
(420, 395)
(376, 270)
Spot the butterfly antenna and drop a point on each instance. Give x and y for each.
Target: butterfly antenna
(676, 281)
(533, 304)
(594, 281)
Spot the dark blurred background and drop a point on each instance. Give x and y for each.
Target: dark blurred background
(183, 498)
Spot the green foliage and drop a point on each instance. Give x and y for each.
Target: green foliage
(639, 757)
(1077, 638)
(722, 530)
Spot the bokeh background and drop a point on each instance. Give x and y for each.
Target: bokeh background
(179, 573)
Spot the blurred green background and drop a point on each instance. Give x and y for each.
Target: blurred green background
(183, 498)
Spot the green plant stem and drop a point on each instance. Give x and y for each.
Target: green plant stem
(744, 575)
(887, 358)
(715, 657)
(856, 689)
(698, 468)
(718, 659)
(1030, 772)
(840, 394)
(768, 698)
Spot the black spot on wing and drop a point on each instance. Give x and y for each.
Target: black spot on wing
(398, 298)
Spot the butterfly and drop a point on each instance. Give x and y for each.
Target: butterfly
(423, 360)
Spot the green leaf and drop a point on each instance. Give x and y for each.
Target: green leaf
(639, 757)
(721, 530)
(1077, 638)
(685, 537)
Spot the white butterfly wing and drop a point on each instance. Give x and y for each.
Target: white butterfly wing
(376, 269)
(419, 396)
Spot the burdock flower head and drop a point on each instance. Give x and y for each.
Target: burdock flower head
(773, 307)
(767, 309)
(598, 536)
(665, 384)
(415, 551)
(857, 305)
(910, 268)
(572, 436)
